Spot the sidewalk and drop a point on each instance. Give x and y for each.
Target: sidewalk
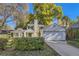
(63, 48)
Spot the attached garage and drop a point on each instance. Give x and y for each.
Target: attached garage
(54, 32)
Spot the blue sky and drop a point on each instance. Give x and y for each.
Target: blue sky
(69, 9)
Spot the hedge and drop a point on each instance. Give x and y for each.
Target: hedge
(35, 43)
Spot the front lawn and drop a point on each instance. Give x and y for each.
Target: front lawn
(73, 43)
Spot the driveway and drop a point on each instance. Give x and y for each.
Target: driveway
(63, 48)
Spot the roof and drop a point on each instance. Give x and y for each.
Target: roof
(54, 28)
(20, 31)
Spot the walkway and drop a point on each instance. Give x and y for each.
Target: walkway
(63, 48)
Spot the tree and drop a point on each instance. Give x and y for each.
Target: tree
(30, 17)
(7, 27)
(66, 21)
(21, 16)
(77, 19)
(46, 12)
(7, 10)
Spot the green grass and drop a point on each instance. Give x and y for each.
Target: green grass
(47, 51)
(74, 43)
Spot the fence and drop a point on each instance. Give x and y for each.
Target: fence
(72, 34)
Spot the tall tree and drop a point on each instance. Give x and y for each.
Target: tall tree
(66, 21)
(46, 12)
(8, 9)
(21, 16)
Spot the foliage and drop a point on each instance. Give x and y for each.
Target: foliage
(29, 43)
(3, 42)
(17, 10)
(77, 18)
(66, 21)
(10, 44)
(31, 17)
(20, 16)
(46, 12)
(6, 10)
(7, 27)
(74, 42)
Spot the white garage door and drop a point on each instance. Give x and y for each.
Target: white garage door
(54, 35)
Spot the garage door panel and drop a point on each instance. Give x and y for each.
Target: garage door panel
(55, 36)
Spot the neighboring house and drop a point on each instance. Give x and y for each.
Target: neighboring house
(5, 33)
(54, 32)
(34, 29)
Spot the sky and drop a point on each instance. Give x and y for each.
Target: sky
(69, 9)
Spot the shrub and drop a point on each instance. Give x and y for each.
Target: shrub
(3, 43)
(29, 43)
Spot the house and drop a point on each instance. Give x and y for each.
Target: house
(5, 33)
(54, 32)
(22, 33)
(34, 29)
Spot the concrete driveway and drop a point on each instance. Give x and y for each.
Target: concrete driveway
(63, 48)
